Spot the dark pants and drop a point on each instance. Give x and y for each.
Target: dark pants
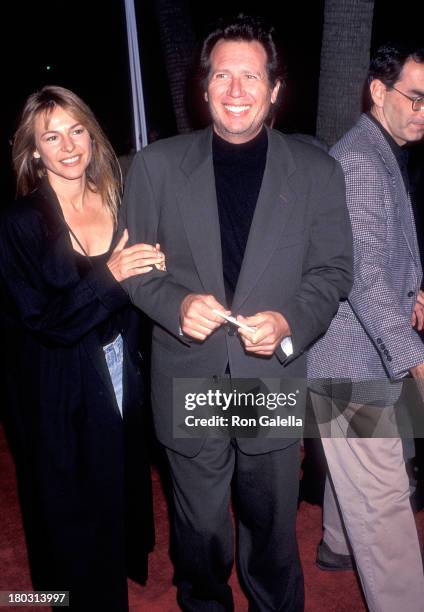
(265, 489)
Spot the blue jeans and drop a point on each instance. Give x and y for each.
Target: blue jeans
(114, 354)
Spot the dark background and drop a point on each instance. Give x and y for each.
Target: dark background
(82, 45)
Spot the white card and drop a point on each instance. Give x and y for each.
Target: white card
(233, 320)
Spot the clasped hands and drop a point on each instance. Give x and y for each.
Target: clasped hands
(136, 259)
(198, 320)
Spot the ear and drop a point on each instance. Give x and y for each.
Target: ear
(205, 95)
(36, 154)
(378, 92)
(274, 92)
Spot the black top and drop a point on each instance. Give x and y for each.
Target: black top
(401, 154)
(239, 169)
(108, 329)
(416, 179)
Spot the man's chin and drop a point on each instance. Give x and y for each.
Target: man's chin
(416, 134)
(238, 134)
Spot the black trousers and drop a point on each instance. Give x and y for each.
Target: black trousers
(265, 490)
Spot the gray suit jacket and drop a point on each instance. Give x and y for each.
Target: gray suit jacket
(297, 261)
(371, 336)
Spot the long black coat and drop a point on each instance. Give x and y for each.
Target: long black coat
(83, 474)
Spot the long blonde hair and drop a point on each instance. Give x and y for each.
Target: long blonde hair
(103, 172)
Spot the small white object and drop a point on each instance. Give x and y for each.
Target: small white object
(287, 346)
(234, 321)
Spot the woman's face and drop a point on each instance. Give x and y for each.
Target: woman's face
(63, 144)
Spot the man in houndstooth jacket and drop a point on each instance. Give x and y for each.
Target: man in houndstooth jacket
(372, 339)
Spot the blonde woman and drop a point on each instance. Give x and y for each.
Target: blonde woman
(75, 404)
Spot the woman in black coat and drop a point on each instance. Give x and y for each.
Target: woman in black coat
(75, 412)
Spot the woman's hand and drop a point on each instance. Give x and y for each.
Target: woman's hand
(417, 319)
(137, 259)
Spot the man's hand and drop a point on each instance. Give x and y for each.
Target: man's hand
(271, 328)
(197, 317)
(417, 319)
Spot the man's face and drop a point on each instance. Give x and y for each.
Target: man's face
(394, 111)
(239, 92)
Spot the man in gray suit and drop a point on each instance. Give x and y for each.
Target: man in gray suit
(253, 223)
(372, 340)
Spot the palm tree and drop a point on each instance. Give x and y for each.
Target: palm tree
(345, 54)
(178, 45)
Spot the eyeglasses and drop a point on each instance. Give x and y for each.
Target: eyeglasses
(417, 103)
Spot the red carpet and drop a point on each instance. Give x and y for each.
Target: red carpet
(325, 591)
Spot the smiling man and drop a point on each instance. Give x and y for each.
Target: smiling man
(243, 215)
(238, 89)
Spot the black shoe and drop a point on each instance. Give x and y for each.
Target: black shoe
(329, 561)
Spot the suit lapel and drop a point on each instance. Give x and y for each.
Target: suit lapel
(402, 199)
(273, 209)
(405, 209)
(198, 206)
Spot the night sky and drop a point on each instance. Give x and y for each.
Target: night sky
(82, 45)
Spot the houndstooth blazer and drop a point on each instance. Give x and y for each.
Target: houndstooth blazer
(371, 336)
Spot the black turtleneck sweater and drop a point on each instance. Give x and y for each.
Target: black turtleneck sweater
(239, 169)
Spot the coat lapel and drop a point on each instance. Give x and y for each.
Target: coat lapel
(402, 198)
(61, 249)
(405, 208)
(273, 209)
(199, 211)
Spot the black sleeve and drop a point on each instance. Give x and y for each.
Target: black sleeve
(62, 309)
